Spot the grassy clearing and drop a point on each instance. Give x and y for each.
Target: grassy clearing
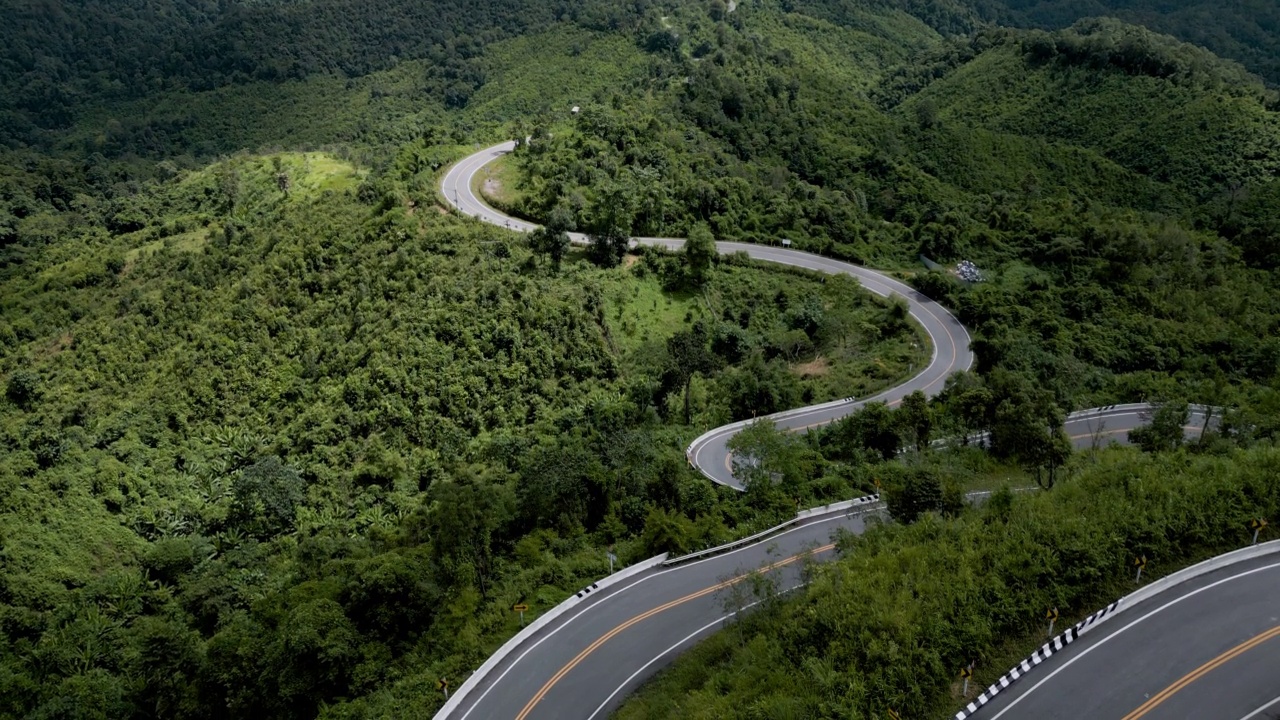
(499, 183)
(854, 357)
(640, 312)
(257, 184)
(191, 241)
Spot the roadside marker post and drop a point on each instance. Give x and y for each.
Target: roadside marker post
(612, 559)
(520, 609)
(1053, 617)
(1139, 562)
(966, 673)
(1257, 525)
(443, 685)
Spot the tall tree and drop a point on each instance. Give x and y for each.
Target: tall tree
(608, 246)
(688, 355)
(873, 428)
(266, 496)
(1050, 452)
(1164, 429)
(610, 227)
(699, 251)
(552, 239)
(911, 492)
(915, 417)
(760, 453)
(465, 519)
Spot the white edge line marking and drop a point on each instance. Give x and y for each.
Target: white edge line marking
(875, 282)
(550, 633)
(686, 639)
(1104, 640)
(459, 177)
(1260, 710)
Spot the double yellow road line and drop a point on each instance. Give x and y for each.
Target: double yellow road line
(1201, 671)
(537, 698)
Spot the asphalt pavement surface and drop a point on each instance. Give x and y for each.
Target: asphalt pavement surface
(1207, 649)
(583, 664)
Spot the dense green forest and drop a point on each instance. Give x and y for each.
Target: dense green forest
(1128, 271)
(289, 411)
(1243, 30)
(890, 624)
(283, 437)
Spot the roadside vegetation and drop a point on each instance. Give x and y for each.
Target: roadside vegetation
(281, 408)
(283, 437)
(890, 624)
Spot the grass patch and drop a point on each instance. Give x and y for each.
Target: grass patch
(310, 174)
(192, 241)
(791, 319)
(499, 183)
(639, 311)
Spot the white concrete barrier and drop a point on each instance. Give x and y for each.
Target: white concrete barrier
(801, 516)
(1093, 621)
(1190, 573)
(456, 700)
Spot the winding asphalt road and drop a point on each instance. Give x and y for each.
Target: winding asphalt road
(586, 662)
(582, 664)
(1207, 649)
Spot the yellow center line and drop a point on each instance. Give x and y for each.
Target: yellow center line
(537, 698)
(1201, 671)
(954, 348)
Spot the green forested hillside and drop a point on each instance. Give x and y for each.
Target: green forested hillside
(56, 56)
(993, 152)
(1176, 115)
(888, 625)
(281, 408)
(1247, 31)
(285, 438)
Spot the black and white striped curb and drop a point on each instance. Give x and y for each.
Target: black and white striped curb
(1055, 645)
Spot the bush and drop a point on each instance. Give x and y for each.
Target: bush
(666, 532)
(23, 388)
(908, 604)
(917, 491)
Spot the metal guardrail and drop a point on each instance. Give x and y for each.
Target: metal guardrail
(803, 515)
(464, 690)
